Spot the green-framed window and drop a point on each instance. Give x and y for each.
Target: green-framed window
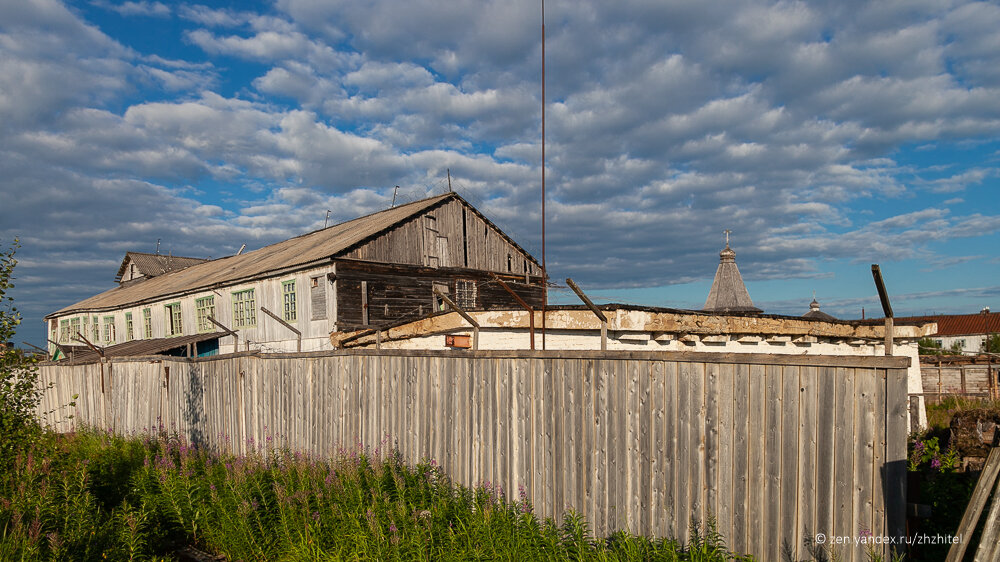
(129, 330)
(86, 327)
(74, 328)
(109, 329)
(244, 309)
(288, 301)
(172, 320)
(64, 331)
(147, 323)
(205, 307)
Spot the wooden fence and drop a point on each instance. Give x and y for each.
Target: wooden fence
(971, 381)
(776, 448)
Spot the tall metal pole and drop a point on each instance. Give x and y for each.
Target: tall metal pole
(545, 276)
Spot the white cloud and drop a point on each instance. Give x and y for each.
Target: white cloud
(141, 8)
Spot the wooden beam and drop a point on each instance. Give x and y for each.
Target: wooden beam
(976, 503)
(98, 350)
(524, 305)
(236, 338)
(298, 334)
(883, 296)
(597, 312)
(451, 304)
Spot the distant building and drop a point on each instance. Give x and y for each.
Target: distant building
(968, 331)
(138, 266)
(815, 313)
(375, 270)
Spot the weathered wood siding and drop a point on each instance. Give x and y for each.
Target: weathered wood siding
(776, 448)
(957, 380)
(396, 292)
(462, 238)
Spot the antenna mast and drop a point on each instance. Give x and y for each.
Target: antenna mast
(545, 285)
(449, 181)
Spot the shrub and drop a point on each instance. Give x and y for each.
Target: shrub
(20, 393)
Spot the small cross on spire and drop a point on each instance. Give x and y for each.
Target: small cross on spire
(727, 231)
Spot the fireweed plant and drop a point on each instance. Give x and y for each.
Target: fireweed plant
(93, 495)
(925, 453)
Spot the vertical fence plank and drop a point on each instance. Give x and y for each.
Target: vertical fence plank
(657, 447)
(602, 472)
(672, 455)
(726, 438)
(711, 436)
(790, 477)
(741, 457)
(808, 458)
(645, 476)
(685, 490)
(864, 452)
(895, 455)
(844, 524)
(772, 461)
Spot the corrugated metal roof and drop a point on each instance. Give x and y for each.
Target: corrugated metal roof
(151, 265)
(139, 347)
(304, 249)
(963, 324)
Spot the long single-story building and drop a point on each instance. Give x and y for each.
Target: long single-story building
(375, 270)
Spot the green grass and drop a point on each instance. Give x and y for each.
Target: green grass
(96, 496)
(939, 415)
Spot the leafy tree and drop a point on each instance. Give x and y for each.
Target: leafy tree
(927, 346)
(992, 344)
(20, 392)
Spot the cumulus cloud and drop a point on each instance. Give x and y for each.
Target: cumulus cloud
(789, 123)
(142, 8)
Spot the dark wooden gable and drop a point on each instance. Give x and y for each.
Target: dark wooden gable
(449, 234)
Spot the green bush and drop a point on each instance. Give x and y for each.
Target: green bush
(19, 389)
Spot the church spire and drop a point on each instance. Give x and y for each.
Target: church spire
(728, 293)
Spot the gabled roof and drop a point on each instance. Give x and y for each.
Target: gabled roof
(963, 324)
(294, 253)
(728, 293)
(152, 265)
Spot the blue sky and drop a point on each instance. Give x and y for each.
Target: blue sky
(826, 136)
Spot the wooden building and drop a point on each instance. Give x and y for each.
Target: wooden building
(375, 270)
